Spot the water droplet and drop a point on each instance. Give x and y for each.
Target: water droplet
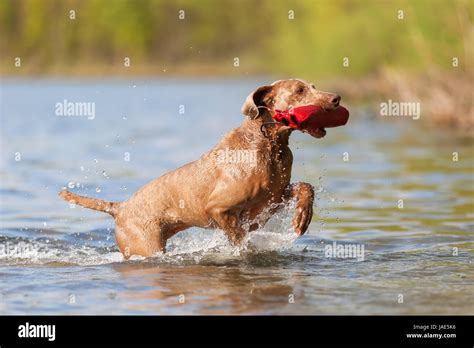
(97, 189)
(134, 86)
(82, 168)
(96, 161)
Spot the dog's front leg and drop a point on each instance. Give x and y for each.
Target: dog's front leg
(228, 221)
(303, 193)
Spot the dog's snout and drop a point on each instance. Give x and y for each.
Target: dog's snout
(335, 100)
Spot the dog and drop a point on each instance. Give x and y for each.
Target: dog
(219, 191)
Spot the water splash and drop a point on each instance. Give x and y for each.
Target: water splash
(194, 245)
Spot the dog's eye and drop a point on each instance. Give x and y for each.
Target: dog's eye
(300, 90)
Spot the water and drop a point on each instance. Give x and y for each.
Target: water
(55, 259)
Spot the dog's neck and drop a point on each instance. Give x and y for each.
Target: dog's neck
(261, 129)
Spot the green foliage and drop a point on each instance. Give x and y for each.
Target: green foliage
(260, 33)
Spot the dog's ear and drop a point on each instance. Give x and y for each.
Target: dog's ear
(255, 99)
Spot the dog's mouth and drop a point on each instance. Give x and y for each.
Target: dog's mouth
(320, 119)
(317, 133)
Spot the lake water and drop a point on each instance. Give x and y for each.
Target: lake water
(54, 259)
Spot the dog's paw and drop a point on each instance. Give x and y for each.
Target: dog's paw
(302, 218)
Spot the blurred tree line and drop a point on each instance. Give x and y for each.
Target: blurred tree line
(301, 37)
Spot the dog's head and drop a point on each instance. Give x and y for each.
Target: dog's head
(288, 94)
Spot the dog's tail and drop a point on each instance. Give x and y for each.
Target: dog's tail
(91, 203)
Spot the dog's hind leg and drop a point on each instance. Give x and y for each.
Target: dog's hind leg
(134, 240)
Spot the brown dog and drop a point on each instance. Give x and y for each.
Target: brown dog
(235, 187)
